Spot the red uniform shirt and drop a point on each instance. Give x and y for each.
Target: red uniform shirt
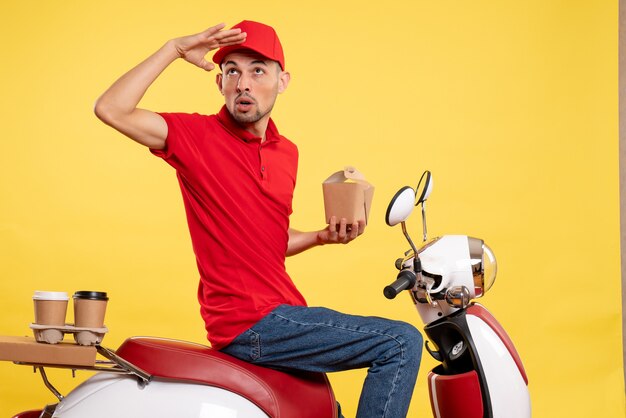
(237, 193)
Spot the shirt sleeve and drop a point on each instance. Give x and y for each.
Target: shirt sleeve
(183, 130)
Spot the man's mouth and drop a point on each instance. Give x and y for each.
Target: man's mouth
(244, 103)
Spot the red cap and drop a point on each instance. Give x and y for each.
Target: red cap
(260, 38)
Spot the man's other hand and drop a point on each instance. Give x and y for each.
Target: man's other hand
(340, 232)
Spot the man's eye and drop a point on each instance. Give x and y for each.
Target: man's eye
(259, 71)
(231, 71)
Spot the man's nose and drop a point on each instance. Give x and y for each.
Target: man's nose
(243, 83)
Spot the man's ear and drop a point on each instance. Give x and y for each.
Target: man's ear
(283, 81)
(218, 81)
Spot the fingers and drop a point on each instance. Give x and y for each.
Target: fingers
(337, 231)
(361, 226)
(343, 232)
(206, 65)
(218, 37)
(332, 229)
(340, 234)
(214, 29)
(229, 37)
(354, 230)
(193, 48)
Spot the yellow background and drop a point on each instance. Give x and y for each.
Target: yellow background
(512, 105)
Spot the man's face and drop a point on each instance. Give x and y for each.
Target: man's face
(250, 84)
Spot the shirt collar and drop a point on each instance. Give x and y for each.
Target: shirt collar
(226, 119)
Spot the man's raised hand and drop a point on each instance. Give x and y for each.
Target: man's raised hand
(193, 48)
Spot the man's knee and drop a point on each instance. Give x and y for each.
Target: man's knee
(411, 339)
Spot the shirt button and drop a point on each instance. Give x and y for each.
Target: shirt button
(263, 168)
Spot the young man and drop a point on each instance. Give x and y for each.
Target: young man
(237, 175)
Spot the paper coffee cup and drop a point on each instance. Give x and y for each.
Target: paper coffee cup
(89, 309)
(50, 307)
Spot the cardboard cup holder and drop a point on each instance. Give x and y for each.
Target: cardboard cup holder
(53, 334)
(50, 311)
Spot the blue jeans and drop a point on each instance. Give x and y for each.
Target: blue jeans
(323, 340)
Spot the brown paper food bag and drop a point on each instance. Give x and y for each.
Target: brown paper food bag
(347, 195)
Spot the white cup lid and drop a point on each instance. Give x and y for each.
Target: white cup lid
(44, 295)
